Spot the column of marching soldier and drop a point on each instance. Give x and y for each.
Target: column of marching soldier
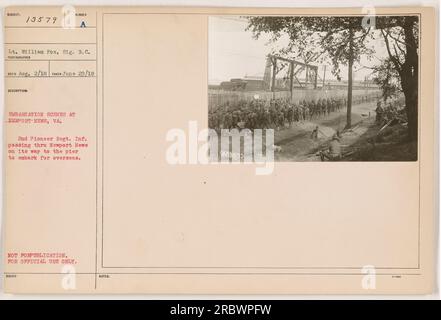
(275, 113)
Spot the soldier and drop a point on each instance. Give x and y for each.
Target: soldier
(306, 112)
(319, 107)
(333, 153)
(333, 105)
(314, 133)
(314, 109)
(272, 114)
(379, 113)
(323, 107)
(228, 121)
(279, 118)
(328, 106)
(290, 114)
(252, 120)
(296, 112)
(267, 118)
(285, 111)
(237, 114)
(311, 107)
(302, 110)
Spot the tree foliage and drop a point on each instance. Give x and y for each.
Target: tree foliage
(387, 78)
(316, 38)
(343, 41)
(401, 37)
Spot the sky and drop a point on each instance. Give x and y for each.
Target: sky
(234, 53)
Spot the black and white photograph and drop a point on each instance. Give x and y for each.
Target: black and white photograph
(332, 88)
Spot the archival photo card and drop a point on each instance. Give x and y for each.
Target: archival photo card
(190, 150)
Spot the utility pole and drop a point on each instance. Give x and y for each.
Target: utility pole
(315, 77)
(273, 80)
(291, 78)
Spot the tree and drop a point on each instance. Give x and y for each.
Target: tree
(401, 36)
(342, 39)
(387, 78)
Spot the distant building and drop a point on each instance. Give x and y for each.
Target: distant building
(246, 84)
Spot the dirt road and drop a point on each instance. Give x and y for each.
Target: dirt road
(297, 144)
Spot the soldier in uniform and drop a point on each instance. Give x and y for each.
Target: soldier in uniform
(314, 133)
(323, 109)
(296, 112)
(290, 114)
(333, 153)
(379, 113)
(328, 106)
(313, 109)
(306, 111)
(300, 110)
